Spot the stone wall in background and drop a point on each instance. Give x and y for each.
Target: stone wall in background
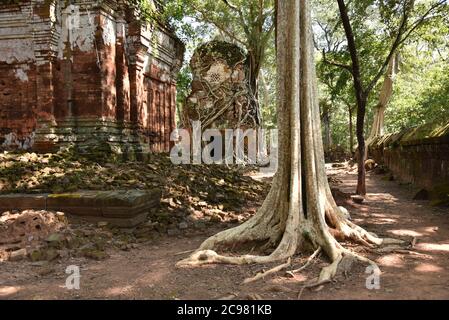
(89, 72)
(418, 155)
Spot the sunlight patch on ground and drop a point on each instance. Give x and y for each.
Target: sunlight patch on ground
(260, 176)
(117, 291)
(383, 221)
(405, 232)
(384, 217)
(431, 229)
(382, 197)
(7, 291)
(391, 260)
(433, 247)
(427, 267)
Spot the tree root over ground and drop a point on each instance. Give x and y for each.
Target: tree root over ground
(286, 249)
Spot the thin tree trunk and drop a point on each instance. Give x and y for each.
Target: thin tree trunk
(351, 130)
(361, 97)
(361, 171)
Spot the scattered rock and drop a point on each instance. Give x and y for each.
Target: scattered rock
(189, 191)
(28, 226)
(200, 225)
(357, 199)
(370, 164)
(37, 255)
(440, 195)
(173, 232)
(45, 270)
(18, 255)
(183, 225)
(95, 254)
(51, 254)
(127, 247)
(39, 263)
(55, 240)
(422, 194)
(215, 219)
(61, 217)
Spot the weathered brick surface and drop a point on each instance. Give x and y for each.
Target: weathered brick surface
(418, 155)
(109, 74)
(22, 202)
(121, 207)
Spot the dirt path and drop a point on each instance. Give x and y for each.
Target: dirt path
(148, 271)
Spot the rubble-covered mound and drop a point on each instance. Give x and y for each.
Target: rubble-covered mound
(41, 235)
(22, 231)
(29, 225)
(194, 197)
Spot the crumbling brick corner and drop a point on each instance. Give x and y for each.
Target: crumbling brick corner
(88, 73)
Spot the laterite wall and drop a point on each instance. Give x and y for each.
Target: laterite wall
(418, 155)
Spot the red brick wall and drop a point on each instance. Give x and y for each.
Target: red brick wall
(117, 81)
(17, 101)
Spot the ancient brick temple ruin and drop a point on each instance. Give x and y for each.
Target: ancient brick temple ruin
(87, 72)
(220, 96)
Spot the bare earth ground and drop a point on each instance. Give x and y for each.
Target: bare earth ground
(148, 271)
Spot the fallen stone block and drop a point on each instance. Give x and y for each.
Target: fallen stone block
(22, 202)
(123, 208)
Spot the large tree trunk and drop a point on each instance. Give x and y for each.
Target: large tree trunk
(299, 211)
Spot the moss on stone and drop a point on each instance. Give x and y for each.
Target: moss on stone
(426, 131)
(230, 52)
(65, 195)
(440, 195)
(436, 130)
